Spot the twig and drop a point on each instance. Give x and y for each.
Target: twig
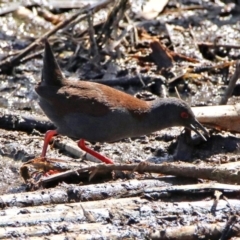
(94, 48)
(90, 218)
(214, 45)
(226, 232)
(32, 56)
(232, 83)
(177, 92)
(112, 22)
(9, 63)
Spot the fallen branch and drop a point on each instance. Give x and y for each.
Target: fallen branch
(225, 173)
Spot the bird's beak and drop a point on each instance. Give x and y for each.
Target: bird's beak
(195, 125)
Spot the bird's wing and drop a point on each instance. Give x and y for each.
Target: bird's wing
(90, 98)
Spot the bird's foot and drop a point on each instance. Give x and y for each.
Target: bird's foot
(48, 136)
(81, 144)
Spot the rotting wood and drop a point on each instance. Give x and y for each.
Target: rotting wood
(224, 173)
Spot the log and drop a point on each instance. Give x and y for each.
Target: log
(70, 193)
(73, 193)
(224, 117)
(69, 218)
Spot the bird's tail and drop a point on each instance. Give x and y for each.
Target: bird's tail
(51, 73)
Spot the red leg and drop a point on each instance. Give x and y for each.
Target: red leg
(48, 136)
(81, 144)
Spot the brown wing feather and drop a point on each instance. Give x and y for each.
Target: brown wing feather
(90, 98)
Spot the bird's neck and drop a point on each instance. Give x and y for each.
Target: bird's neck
(160, 115)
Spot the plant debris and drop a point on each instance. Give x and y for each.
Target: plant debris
(162, 186)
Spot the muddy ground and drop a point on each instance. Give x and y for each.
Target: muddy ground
(183, 26)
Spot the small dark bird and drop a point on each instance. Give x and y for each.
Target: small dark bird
(94, 112)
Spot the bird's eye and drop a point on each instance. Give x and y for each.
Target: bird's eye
(184, 115)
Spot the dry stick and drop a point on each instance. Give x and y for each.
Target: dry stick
(94, 48)
(232, 83)
(214, 45)
(225, 173)
(11, 62)
(233, 220)
(32, 56)
(112, 21)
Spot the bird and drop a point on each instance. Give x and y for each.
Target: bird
(91, 111)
